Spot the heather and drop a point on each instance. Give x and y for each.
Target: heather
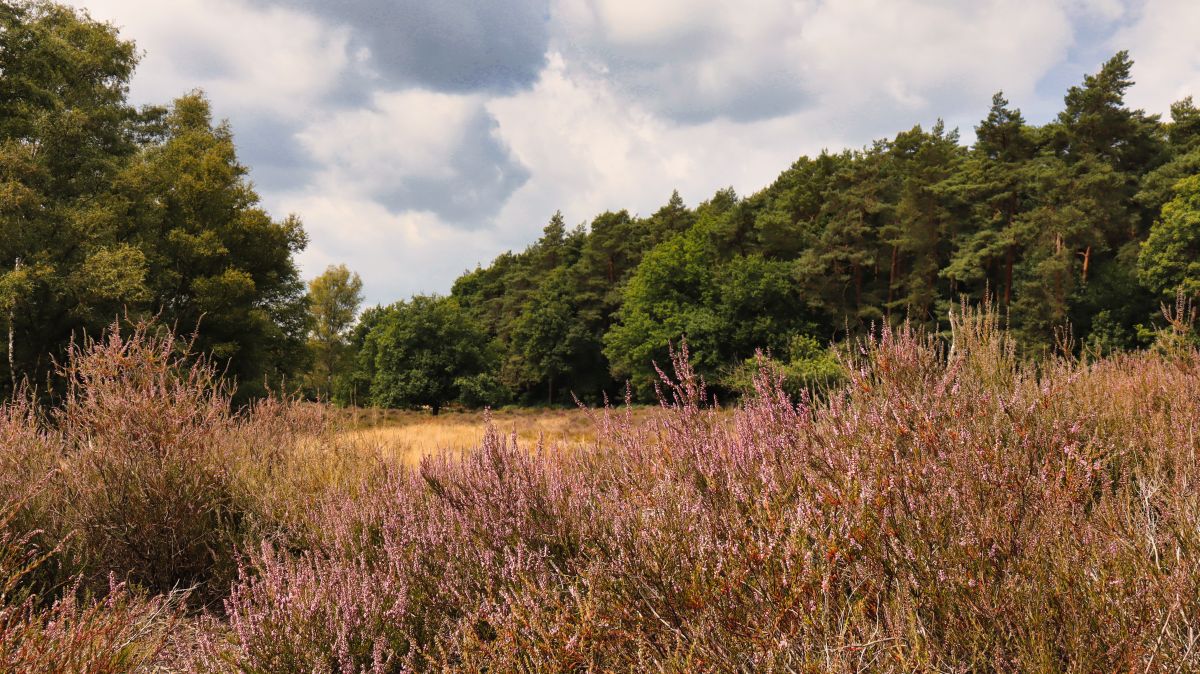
(911, 407)
(121, 632)
(952, 508)
(126, 504)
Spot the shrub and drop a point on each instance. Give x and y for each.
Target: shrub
(150, 474)
(950, 508)
(121, 633)
(30, 455)
(806, 368)
(399, 571)
(146, 487)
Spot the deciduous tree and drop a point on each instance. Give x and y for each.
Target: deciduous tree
(333, 300)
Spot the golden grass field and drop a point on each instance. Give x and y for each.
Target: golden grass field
(407, 436)
(350, 453)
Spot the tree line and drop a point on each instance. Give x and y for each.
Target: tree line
(1087, 222)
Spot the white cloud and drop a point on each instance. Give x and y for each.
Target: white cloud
(921, 53)
(589, 149)
(1163, 43)
(249, 60)
(1102, 10)
(416, 150)
(582, 145)
(404, 134)
(396, 254)
(701, 59)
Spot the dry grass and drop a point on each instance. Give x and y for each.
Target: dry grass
(406, 437)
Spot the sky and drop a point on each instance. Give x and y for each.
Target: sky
(417, 139)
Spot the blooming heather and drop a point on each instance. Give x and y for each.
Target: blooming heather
(952, 509)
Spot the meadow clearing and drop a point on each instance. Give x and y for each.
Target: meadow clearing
(406, 436)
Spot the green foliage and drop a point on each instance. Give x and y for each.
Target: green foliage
(552, 337)
(665, 300)
(1059, 225)
(112, 211)
(1087, 221)
(1178, 338)
(333, 300)
(547, 308)
(220, 262)
(1170, 257)
(804, 367)
(425, 352)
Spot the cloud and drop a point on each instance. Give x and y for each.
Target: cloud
(689, 60)
(589, 149)
(697, 60)
(264, 68)
(271, 151)
(249, 59)
(397, 254)
(417, 150)
(447, 45)
(1162, 41)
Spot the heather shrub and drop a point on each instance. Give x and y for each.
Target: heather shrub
(121, 633)
(282, 458)
(152, 476)
(398, 574)
(29, 457)
(950, 509)
(1179, 334)
(146, 487)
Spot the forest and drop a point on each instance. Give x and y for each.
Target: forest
(1078, 230)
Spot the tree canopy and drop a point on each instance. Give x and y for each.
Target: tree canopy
(1170, 258)
(1088, 220)
(109, 211)
(334, 298)
(425, 352)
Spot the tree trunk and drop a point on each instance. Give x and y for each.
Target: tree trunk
(892, 276)
(1008, 269)
(12, 368)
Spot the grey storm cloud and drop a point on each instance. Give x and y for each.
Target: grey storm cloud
(685, 69)
(275, 159)
(418, 150)
(446, 45)
(483, 174)
(673, 92)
